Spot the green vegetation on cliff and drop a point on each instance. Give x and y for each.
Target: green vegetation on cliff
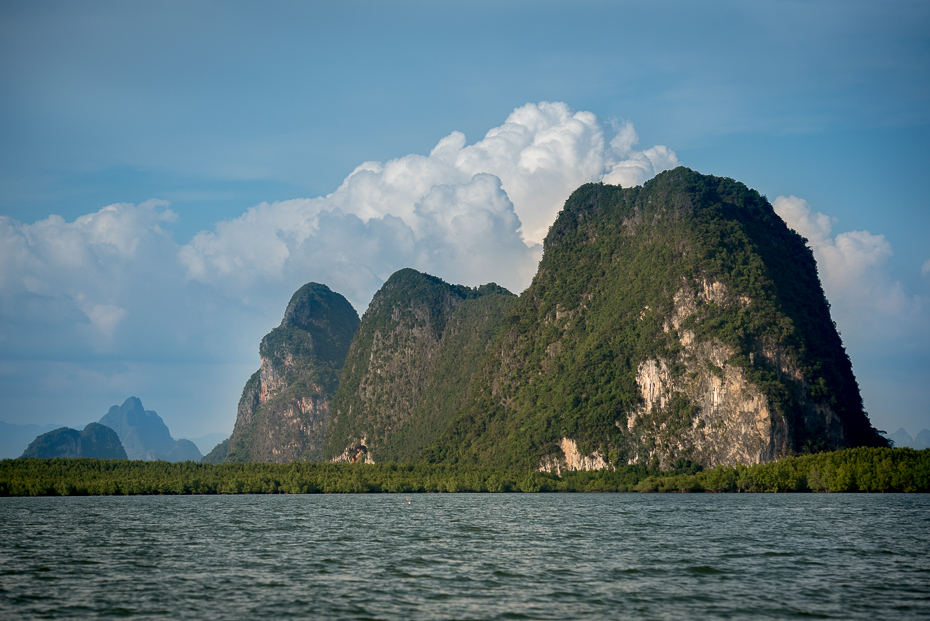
(680, 320)
(411, 365)
(218, 454)
(853, 470)
(687, 288)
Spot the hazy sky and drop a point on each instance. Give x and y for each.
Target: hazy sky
(171, 172)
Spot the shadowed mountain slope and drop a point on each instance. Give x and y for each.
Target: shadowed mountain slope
(95, 440)
(411, 365)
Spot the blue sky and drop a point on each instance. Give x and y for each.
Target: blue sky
(207, 158)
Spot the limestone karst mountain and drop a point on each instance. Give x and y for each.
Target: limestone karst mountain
(681, 321)
(284, 409)
(95, 440)
(902, 438)
(922, 439)
(678, 320)
(15, 438)
(144, 434)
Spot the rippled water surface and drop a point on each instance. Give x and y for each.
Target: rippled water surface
(467, 556)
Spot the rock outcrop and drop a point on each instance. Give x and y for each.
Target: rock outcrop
(284, 410)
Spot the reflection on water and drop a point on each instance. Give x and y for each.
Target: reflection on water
(467, 556)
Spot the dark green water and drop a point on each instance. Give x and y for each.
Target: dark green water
(467, 556)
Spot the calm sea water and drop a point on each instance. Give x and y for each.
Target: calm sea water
(467, 556)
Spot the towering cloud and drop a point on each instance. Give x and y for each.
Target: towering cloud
(853, 270)
(469, 213)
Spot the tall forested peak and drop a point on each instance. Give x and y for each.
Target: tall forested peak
(674, 195)
(409, 288)
(678, 320)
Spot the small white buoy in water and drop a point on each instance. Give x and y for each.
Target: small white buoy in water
(408, 499)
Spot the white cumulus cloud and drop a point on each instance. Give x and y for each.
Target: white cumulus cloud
(467, 213)
(853, 269)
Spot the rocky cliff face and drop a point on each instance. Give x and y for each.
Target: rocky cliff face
(680, 320)
(411, 365)
(284, 410)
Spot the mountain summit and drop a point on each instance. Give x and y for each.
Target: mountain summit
(411, 365)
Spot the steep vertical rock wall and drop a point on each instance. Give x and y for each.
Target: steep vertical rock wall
(284, 409)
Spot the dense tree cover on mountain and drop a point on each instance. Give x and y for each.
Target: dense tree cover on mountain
(411, 363)
(566, 362)
(851, 470)
(218, 454)
(690, 285)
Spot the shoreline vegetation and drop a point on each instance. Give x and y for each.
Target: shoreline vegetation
(851, 470)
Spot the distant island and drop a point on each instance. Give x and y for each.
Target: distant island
(145, 435)
(95, 440)
(902, 438)
(128, 431)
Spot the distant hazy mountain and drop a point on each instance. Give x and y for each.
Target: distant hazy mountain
(922, 439)
(144, 434)
(902, 438)
(218, 454)
(15, 438)
(208, 442)
(95, 440)
(184, 450)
